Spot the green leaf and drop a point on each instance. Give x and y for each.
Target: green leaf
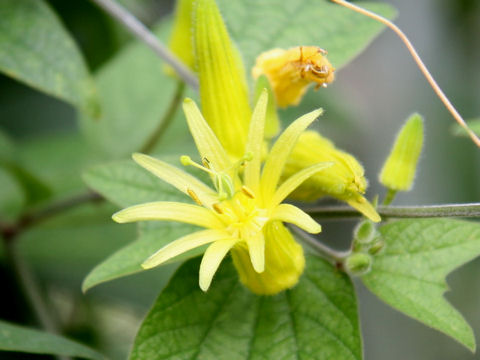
(473, 124)
(410, 274)
(135, 93)
(126, 183)
(128, 260)
(316, 320)
(22, 339)
(258, 26)
(36, 49)
(12, 198)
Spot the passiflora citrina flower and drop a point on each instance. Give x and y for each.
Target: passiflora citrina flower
(344, 180)
(399, 169)
(291, 71)
(242, 213)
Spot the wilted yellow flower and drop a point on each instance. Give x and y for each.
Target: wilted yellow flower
(399, 169)
(291, 71)
(344, 180)
(244, 213)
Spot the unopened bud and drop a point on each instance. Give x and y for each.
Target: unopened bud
(364, 232)
(399, 169)
(358, 263)
(377, 247)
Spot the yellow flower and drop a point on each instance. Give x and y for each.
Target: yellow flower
(291, 71)
(244, 214)
(344, 180)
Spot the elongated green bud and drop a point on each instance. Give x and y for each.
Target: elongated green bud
(399, 169)
(223, 85)
(181, 38)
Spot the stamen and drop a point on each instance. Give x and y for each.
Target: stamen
(246, 191)
(187, 161)
(218, 209)
(194, 196)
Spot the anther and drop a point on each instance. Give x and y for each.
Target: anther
(218, 209)
(194, 196)
(247, 192)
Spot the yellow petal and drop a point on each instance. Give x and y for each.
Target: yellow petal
(182, 245)
(280, 151)
(211, 261)
(177, 178)
(173, 211)
(293, 215)
(362, 205)
(272, 122)
(207, 143)
(223, 85)
(256, 249)
(255, 143)
(296, 180)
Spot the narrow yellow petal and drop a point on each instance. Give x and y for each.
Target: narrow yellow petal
(211, 261)
(182, 245)
(170, 211)
(296, 180)
(181, 38)
(277, 157)
(292, 214)
(207, 143)
(256, 249)
(255, 143)
(177, 178)
(362, 205)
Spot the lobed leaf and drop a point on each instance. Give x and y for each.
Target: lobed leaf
(410, 274)
(315, 320)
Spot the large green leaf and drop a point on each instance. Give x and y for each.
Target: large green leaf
(126, 183)
(315, 320)
(135, 93)
(12, 198)
(410, 274)
(36, 49)
(258, 26)
(474, 124)
(22, 339)
(128, 260)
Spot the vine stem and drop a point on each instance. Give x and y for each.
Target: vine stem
(141, 32)
(436, 88)
(336, 256)
(451, 210)
(166, 120)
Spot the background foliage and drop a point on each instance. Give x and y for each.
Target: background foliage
(365, 107)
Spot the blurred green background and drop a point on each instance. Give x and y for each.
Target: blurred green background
(364, 109)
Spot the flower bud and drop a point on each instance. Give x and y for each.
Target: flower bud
(364, 232)
(344, 180)
(399, 169)
(223, 85)
(284, 263)
(181, 38)
(291, 71)
(358, 263)
(377, 246)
